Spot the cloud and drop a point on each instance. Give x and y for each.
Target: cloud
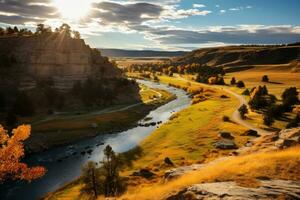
(222, 11)
(242, 34)
(198, 6)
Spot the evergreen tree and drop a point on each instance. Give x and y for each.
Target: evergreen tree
(243, 110)
(90, 178)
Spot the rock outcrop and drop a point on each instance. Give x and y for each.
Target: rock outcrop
(63, 59)
(267, 189)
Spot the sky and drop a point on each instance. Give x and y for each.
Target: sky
(163, 24)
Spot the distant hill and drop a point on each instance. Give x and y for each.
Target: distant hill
(234, 58)
(140, 53)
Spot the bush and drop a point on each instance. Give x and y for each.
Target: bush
(258, 102)
(240, 84)
(268, 120)
(265, 78)
(226, 118)
(290, 98)
(246, 92)
(243, 110)
(233, 81)
(294, 122)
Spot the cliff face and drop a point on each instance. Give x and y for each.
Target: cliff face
(61, 58)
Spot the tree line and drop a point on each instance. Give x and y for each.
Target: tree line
(40, 29)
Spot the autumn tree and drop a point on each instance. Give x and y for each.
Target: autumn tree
(11, 153)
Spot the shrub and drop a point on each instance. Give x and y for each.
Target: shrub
(265, 78)
(258, 102)
(233, 81)
(290, 98)
(294, 122)
(246, 92)
(226, 118)
(240, 84)
(243, 110)
(268, 120)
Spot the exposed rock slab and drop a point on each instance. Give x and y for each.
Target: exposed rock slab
(268, 189)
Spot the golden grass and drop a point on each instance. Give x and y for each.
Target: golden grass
(276, 165)
(279, 81)
(189, 136)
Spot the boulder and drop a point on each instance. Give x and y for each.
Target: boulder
(177, 172)
(225, 144)
(226, 135)
(145, 173)
(288, 138)
(168, 161)
(251, 132)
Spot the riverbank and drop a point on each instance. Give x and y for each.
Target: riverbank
(187, 138)
(68, 129)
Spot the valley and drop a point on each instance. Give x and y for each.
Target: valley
(149, 100)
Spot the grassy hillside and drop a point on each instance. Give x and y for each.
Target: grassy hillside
(242, 57)
(278, 165)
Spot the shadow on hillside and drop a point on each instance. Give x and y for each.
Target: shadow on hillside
(127, 158)
(273, 82)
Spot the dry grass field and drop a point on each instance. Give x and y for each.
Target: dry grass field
(126, 62)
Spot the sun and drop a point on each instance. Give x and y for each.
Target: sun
(73, 9)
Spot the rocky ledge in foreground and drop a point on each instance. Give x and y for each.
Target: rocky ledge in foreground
(267, 189)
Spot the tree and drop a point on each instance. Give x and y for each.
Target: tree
(265, 78)
(65, 28)
(268, 120)
(290, 97)
(76, 35)
(113, 184)
(246, 92)
(240, 84)
(9, 31)
(233, 81)
(90, 177)
(11, 154)
(243, 110)
(40, 28)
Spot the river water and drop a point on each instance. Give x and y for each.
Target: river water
(64, 163)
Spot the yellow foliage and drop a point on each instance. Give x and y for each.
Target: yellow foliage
(12, 151)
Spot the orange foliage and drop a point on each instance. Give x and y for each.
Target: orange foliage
(11, 152)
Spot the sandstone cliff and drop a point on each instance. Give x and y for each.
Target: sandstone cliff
(55, 56)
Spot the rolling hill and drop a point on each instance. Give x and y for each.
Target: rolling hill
(140, 53)
(235, 58)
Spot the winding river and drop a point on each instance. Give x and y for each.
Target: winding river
(64, 163)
